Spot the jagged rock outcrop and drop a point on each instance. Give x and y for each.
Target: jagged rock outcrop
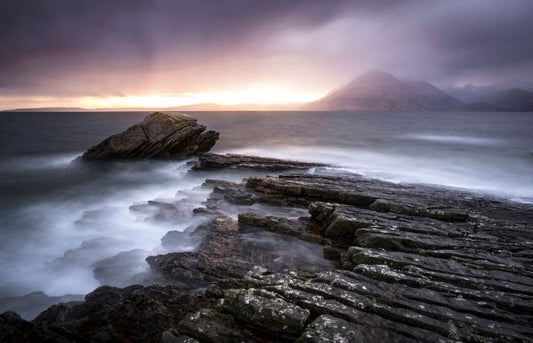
(158, 136)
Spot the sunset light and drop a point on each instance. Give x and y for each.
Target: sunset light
(302, 171)
(254, 95)
(259, 95)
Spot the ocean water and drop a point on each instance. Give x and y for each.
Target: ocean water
(60, 220)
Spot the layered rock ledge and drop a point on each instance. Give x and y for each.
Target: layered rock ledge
(158, 136)
(321, 258)
(235, 161)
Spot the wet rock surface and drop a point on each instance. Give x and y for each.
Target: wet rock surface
(131, 314)
(266, 310)
(15, 329)
(414, 200)
(234, 161)
(229, 250)
(322, 258)
(158, 136)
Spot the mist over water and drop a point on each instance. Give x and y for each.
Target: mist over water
(60, 221)
(485, 152)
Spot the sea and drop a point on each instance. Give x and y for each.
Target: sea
(60, 220)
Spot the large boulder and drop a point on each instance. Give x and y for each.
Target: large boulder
(158, 136)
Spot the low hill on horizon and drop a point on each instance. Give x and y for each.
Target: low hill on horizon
(194, 107)
(498, 99)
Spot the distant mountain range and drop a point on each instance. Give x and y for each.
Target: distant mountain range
(492, 98)
(49, 109)
(380, 91)
(375, 91)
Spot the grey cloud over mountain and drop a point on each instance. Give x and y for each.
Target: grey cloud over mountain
(101, 47)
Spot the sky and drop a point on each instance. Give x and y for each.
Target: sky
(160, 53)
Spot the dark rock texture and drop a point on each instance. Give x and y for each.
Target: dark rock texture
(380, 309)
(232, 161)
(230, 192)
(132, 314)
(301, 228)
(443, 204)
(266, 310)
(369, 261)
(230, 250)
(14, 329)
(158, 136)
(420, 263)
(209, 325)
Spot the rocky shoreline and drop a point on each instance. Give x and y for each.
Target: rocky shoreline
(336, 258)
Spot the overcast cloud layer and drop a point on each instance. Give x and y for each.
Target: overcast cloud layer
(110, 48)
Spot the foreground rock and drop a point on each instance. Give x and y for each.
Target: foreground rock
(30, 305)
(158, 136)
(132, 314)
(230, 249)
(15, 329)
(420, 263)
(362, 260)
(417, 264)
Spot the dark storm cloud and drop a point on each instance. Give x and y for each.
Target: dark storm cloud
(43, 38)
(483, 39)
(101, 47)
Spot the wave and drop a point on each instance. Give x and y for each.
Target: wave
(90, 219)
(97, 224)
(451, 139)
(499, 177)
(36, 163)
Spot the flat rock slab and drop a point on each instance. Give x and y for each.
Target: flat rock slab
(158, 136)
(439, 203)
(378, 309)
(266, 310)
(233, 161)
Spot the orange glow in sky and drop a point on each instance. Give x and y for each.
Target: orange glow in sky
(257, 95)
(260, 95)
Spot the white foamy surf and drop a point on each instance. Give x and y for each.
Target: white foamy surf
(513, 182)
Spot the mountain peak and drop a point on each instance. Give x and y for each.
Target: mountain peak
(375, 77)
(371, 82)
(376, 74)
(379, 90)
